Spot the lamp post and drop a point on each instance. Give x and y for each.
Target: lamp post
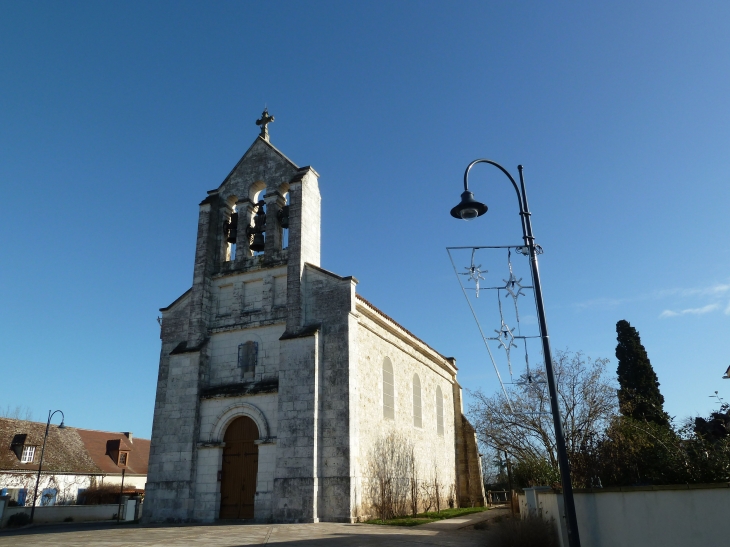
(469, 209)
(40, 463)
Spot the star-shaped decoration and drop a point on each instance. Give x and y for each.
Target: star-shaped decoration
(475, 275)
(506, 337)
(513, 285)
(531, 379)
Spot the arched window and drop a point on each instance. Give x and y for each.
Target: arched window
(230, 229)
(439, 411)
(283, 216)
(417, 422)
(388, 390)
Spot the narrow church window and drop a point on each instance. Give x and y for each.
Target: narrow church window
(388, 390)
(258, 240)
(230, 229)
(439, 411)
(247, 357)
(417, 422)
(283, 216)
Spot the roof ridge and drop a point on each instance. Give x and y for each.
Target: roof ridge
(104, 431)
(386, 316)
(76, 428)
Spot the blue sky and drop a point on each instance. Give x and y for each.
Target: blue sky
(115, 118)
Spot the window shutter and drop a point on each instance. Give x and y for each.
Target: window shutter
(247, 357)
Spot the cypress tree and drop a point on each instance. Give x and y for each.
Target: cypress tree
(638, 397)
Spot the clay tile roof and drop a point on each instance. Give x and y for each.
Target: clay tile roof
(100, 443)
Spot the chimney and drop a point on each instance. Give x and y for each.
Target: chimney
(129, 435)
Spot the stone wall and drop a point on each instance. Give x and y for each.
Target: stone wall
(196, 355)
(313, 455)
(316, 393)
(378, 338)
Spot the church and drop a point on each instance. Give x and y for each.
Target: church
(277, 379)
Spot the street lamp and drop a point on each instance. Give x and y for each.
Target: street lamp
(469, 209)
(40, 463)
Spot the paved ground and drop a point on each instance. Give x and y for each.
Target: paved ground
(458, 532)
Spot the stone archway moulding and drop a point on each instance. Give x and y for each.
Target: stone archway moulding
(236, 411)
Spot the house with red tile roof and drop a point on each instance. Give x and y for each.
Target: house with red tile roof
(74, 460)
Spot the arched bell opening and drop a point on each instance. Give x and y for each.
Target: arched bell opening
(257, 229)
(283, 217)
(240, 469)
(230, 229)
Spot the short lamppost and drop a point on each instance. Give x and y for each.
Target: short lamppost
(40, 463)
(469, 209)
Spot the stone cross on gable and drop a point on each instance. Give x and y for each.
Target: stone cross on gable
(264, 122)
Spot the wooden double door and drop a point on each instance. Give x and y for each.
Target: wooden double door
(240, 467)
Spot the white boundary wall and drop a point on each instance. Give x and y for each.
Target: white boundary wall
(670, 516)
(59, 513)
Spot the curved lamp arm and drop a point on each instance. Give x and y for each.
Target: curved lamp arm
(63, 418)
(521, 196)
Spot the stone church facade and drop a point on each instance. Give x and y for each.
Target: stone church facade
(276, 378)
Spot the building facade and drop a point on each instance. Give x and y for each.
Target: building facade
(74, 460)
(276, 378)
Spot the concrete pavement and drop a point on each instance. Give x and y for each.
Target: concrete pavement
(449, 533)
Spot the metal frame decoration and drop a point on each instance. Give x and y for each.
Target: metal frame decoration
(468, 209)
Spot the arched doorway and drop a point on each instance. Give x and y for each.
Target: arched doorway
(240, 466)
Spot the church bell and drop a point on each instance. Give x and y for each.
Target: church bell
(258, 242)
(232, 228)
(283, 216)
(259, 227)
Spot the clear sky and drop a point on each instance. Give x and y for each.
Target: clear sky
(115, 118)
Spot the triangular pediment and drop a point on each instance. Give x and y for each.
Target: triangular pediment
(262, 162)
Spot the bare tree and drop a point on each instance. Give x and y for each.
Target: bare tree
(17, 412)
(587, 401)
(414, 483)
(451, 499)
(438, 488)
(428, 498)
(390, 467)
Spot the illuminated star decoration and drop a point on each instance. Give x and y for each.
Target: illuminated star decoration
(513, 286)
(475, 273)
(506, 339)
(530, 379)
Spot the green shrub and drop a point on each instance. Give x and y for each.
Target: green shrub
(529, 532)
(535, 472)
(18, 519)
(99, 495)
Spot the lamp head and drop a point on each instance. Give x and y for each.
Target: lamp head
(62, 425)
(469, 208)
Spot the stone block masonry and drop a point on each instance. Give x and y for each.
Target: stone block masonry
(272, 340)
